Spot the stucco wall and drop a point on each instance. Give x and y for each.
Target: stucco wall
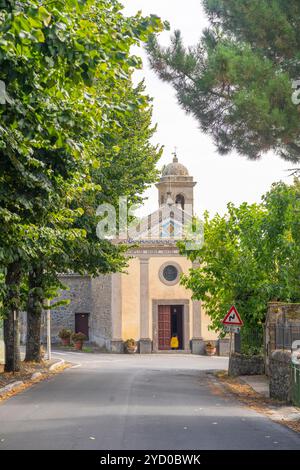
(206, 334)
(131, 301)
(158, 290)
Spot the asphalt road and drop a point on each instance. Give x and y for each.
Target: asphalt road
(136, 402)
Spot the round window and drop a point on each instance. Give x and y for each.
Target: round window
(170, 273)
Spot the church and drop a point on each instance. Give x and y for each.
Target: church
(148, 302)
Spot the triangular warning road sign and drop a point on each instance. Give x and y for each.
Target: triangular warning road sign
(233, 318)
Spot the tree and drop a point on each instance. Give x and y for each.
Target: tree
(63, 70)
(238, 80)
(250, 256)
(127, 165)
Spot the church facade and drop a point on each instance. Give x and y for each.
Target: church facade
(148, 302)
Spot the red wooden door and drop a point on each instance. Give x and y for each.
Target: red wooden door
(164, 327)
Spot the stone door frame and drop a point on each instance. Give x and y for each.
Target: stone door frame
(186, 322)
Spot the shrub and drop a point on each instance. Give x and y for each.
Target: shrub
(76, 337)
(65, 333)
(130, 343)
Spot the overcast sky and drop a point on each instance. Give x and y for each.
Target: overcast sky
(220, 178)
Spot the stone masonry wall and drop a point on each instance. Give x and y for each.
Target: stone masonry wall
(240, 364)
(79, 293)
(280, 376)
(86, 295)
(278, 313)
(101, 318)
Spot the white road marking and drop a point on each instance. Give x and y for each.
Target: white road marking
(61, 354)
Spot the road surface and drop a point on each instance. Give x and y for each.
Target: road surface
(136, 402)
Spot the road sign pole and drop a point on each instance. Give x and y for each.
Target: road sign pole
(230, 345)
(232, 324)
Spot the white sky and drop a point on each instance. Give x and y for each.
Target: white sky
(220, 178)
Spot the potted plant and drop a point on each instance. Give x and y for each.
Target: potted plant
(78, 339)
(65, 336)
(210, 349)
(130, 346)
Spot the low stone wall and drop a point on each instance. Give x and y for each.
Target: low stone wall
(239, 364)
(280, 375)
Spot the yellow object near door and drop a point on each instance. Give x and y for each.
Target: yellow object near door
(174, 342)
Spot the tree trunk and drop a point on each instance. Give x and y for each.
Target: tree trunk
(11, 317)
(34, 314)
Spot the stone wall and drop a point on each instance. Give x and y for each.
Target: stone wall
(279, 314)
(280, 375)
(79, 293)
(101, 315)
(240, 364)
(86, 295)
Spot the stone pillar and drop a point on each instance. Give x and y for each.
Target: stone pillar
(281, 376)
(197, 343)
(145, 341)
(116, 309)
(197, 340)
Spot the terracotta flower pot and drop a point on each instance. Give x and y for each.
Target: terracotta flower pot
(130, 346)
(66, 341)
(210, 351)
(132, 350)
(78, 345)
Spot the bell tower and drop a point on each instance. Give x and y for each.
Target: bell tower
(176, 187)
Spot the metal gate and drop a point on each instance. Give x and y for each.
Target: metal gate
(296, 384)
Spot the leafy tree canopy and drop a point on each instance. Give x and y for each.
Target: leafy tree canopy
(238, 80)
(250, 256)
(66, 69)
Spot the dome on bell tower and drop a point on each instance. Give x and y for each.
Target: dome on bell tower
(175, 169)
(176, 187)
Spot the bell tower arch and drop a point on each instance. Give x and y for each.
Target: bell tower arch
(176, 187)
